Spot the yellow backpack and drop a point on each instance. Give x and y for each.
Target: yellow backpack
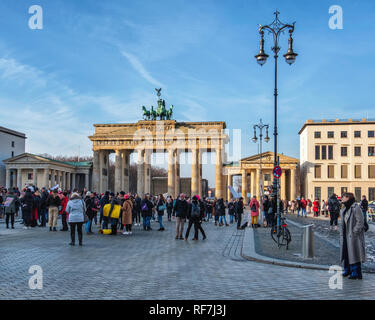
(115, 212)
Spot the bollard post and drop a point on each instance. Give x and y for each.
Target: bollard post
(308, 242)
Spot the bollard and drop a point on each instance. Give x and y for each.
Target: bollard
(308, 242)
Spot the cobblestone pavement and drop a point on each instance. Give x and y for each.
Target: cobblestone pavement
(321, 227)
(153, 265)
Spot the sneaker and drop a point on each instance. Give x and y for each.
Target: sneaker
(125, 233)
(25, 228)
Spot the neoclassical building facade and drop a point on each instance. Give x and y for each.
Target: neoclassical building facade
(148, 136)
(29, 169)
(256, 173)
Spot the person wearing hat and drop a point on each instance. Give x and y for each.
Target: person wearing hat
(127, 215)
(53, 204)
(254, 212)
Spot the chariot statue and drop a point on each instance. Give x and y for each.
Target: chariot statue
(160, 112)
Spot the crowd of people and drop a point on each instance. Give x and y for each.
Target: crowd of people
(119, 212)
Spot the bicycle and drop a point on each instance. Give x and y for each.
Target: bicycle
(281, 234)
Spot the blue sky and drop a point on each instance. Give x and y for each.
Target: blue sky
(99, 62)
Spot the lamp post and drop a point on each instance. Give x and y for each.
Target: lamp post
(260, 126)
(276, 28)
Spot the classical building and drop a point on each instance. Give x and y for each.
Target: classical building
(337, 156)
(29, 169)
(12, 143)
(256, 173)
(148, 136)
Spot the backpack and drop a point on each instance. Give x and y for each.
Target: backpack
(195, 210)
(253, 207)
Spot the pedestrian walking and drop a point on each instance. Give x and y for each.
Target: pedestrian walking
(53, 204)
(195, 216)
(254, 212)
(63, 213)
(181, 212)
(353, 251)
(11, 201)
(127, 214)
(169, 206)
(146, 210)
(239, 212)
(160, 208)
(76, 210)
(334, 207)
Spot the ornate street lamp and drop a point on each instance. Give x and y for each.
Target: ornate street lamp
(276, 28)
(260, 126)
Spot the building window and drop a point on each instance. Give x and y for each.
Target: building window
(371, 194)
(267, 177)
(357, 134)
(344, 190)
(344, 171)
(371, 171)
(331, 190)
(317, 192)
(358, 194)
(344, 134)
(29, 176)
(12, 154)
(344, 151)
(12, 144)
(357, 171)
(317, 152)
(357, 151)
(371, 151)
(317, 172)
(371, 134)
(330, 134)
(330, 152)
(331, 171)
(324, 152)
(317, 134)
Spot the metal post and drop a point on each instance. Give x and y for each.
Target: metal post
(308, 242)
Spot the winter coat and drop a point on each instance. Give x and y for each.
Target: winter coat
(160, 203)
(316, 206)
(256, 212)
(12, 207)
(76, 208)
(220, 208)
(90, 207)
(303, 203)
(127, 212)
(181, 208)
(53, 201)
(63, 204)
(355, 234)
(148, 212)
(334, 205)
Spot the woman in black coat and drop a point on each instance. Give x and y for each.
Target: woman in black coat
(27, 202)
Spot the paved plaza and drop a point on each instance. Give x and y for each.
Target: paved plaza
(153, 265)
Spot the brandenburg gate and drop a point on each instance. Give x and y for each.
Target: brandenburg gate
(148, 136)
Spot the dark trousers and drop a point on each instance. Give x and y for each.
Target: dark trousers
(128, 227)
(197, 227)
(334, 217)
(270, 219)
(64, 222)
(73, 226)
(11, 215)
(169, 215)
(239, 219)
(43, 217)
(26, 213)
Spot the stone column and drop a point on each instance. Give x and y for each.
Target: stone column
(219, 174)
(293, 184)
(244, 185)
(125, 167)
(96, 172)
(19, 179)
(194, 172)
(58, 177)
(53, 180)
(177, 174)
(147, 173)
(257, 184)
(104, 172)
(200, 191)
(171, 172)
(87, 181)
(252, 182)
(46, 178)
(230, 183)
(283, 186)
(68, 182)
(7, 179)
(35, 177)
(118, 170)
(140, 173)
(73, 181)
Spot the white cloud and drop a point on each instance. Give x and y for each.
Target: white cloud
(138, 66)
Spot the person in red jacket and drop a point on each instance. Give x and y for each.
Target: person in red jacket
(316, 207)
(64, 214)
(303, 206)
(254, 209)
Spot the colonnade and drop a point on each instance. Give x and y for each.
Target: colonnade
(122, 169)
